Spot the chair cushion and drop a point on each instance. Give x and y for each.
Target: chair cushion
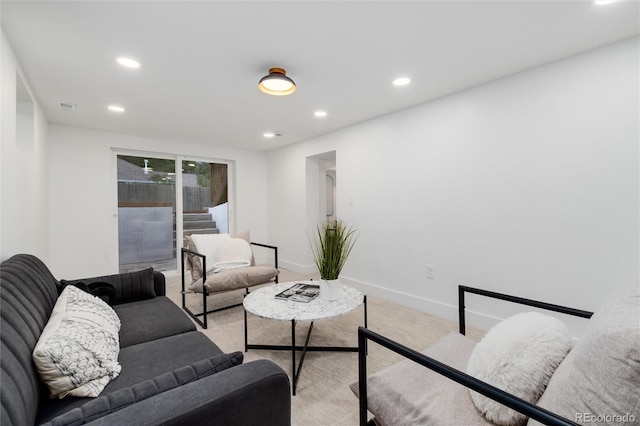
(407, 393)
(208, 245)
(598, 381)
(194, 263)
(518, 355)
(245, 235)
(236, 278)
(233, 254)
(77, 353)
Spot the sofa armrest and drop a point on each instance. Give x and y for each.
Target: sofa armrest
(254, 393)
(159, 283)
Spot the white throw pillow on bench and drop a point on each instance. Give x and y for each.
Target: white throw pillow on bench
(518, 355)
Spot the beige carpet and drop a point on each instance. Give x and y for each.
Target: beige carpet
(323, 395)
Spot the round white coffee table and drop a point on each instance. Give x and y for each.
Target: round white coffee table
(262, 303)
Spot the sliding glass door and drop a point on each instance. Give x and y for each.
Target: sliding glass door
(205, 200)
(148, 211)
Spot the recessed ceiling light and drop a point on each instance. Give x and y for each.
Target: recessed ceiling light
(268, 134)
(128, 62)
(116, 108)
(602, 2)
(320, 113)
(402, 81)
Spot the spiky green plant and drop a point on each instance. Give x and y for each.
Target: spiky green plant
(331, 247)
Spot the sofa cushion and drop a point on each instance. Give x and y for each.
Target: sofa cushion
(143, 362)
(518, 355)
(236, 278)
(407, 393)
(598, 381)
(27, 296)
(129, 287)
(77, 353)
(150, 359)
(124, 397)
(151, 319)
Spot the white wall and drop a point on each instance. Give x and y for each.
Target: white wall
(24, 209)
(84, 228)
(528, 185)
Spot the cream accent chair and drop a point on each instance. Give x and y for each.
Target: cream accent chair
(208, 283)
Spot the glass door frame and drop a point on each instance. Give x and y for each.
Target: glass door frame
(178, 158)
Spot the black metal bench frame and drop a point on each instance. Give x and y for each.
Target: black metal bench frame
(196, 315)
(511, 401)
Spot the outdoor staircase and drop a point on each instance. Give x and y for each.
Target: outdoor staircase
(199, 223)
(196, 223)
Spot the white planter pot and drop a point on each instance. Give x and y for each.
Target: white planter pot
(329, 289)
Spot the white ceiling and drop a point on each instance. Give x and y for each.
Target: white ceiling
(201, 61)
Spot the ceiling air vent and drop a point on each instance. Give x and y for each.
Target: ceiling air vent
(68, 107)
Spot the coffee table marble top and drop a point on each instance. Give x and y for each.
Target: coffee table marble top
(262, 303)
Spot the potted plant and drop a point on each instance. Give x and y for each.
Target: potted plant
(331, 247)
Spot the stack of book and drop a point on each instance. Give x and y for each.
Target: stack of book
(300, 292)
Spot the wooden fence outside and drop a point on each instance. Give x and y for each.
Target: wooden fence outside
(133, 194)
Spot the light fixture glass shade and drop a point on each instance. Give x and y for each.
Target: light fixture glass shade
(277, 83)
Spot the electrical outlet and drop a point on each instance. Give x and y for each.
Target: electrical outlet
(431, 272)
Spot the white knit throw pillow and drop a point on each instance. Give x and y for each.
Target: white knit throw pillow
(519, 356)
(77, 352)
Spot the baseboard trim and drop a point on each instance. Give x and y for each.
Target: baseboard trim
(296, 267)
(473, 318)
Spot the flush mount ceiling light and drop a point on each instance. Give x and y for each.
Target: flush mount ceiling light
(320, 114)
(277, 83)
(115, 108)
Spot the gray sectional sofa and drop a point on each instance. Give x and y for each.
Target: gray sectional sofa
(170, 373)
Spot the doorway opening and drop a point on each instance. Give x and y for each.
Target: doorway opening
(321, 184)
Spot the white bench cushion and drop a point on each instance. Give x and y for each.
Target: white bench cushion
(599, 381)
(407, 393)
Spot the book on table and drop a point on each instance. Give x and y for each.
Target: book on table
(300, 292)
